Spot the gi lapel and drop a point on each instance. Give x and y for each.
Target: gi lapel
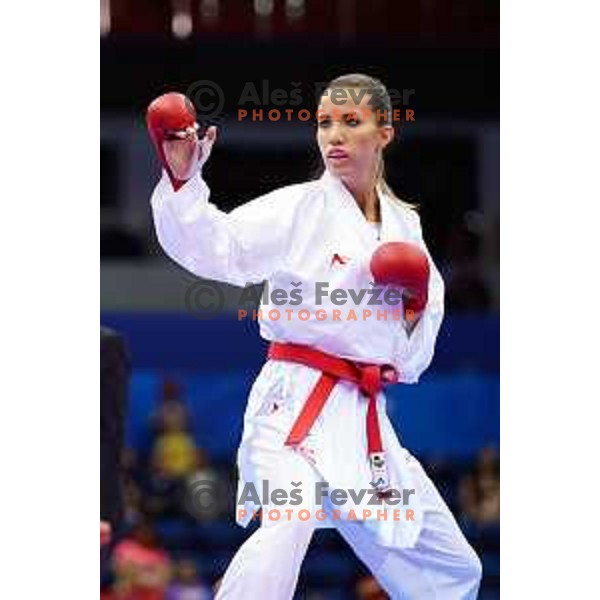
(394, 221)
(346, 210)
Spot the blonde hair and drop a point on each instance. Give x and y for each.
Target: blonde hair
(381, 103)
(382, 185)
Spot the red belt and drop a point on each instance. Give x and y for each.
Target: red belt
(369, 378)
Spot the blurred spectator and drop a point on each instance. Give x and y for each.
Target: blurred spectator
(174, 454)
(132, 499)
(479, 492)
(162, 494)
(170, 397)
(105, 532)
(367, 588)
(171, 391)
(173, 457)
(176, 462)
(142, 568)
(129, 461)
(187, 584)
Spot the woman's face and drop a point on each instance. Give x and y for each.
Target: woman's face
(349, 138)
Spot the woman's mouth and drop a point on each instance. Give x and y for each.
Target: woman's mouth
(338, 154)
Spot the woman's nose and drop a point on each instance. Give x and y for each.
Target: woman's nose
(337, 134)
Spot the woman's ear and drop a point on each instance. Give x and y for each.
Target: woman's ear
(386, 133)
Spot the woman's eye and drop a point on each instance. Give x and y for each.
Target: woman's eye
(324, 122)
(352, 120)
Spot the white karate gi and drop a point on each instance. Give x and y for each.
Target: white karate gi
(294, 237)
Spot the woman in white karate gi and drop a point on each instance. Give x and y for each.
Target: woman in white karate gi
(321, 231)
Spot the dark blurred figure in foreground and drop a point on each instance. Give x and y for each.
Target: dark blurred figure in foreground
(114, 380)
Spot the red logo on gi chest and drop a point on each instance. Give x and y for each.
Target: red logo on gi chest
(340, 260)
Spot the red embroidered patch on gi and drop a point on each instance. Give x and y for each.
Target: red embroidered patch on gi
(337, 259)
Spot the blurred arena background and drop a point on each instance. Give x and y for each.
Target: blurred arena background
(192, 370)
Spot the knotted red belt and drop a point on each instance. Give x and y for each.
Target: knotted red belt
(369, 378)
